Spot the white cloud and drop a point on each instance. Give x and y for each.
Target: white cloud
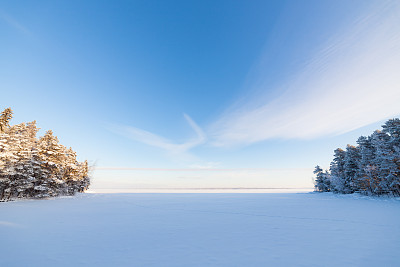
(159, 141)
(9, 224)
(354, 81)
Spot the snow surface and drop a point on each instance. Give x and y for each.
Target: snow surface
(305, 229)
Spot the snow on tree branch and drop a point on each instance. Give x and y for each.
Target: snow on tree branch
(32, 167)
(372, 167)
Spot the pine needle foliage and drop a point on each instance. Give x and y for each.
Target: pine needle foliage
(371, 168)
(32, 167)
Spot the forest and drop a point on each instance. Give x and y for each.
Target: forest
(372, 167)
(32, 167)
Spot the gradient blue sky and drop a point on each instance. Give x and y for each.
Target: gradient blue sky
(260, 91)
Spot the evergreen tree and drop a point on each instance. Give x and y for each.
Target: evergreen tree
(337, 171)
(392, 128)
(366, 169)
(322, 182)
(5, 118)
(31, 167)
(351, 163)
(372, 167)
(382, 161)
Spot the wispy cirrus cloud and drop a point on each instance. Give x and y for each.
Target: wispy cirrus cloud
(161, 142)
(352, 82)
(9, 224)
(13, 22)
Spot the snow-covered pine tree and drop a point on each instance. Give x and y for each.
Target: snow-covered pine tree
(52, 154)
(22, 150)
(392, 128)
(337, 171)
(37, 168)
(366, 170)
(8, 157)
(5, 118)
(351, 161)
(74, 172)
(34, 164)
(322, 182)
(382, 161)
(319, 182)
(5, 159)
(81, 180)
(372, 167)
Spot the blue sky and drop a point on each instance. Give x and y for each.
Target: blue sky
(242, 86)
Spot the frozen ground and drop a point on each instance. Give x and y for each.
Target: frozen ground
(305, 229)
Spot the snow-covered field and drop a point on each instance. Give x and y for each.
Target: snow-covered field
(305, 229)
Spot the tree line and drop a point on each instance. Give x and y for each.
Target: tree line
(372, 167)
(32, 167)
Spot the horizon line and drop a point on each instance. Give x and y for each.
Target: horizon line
(194, 169)
(208, 188)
